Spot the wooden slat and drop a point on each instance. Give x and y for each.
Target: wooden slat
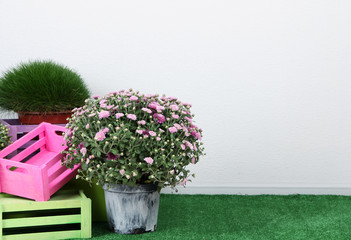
(59, 170)
(50, 163)
(61, 180)
(81, 193)
(40, 221)
(86, 218)
(42, 136)
(0, 222)
(28, 206)
(26, 152)
(17, 144)
(44, 235)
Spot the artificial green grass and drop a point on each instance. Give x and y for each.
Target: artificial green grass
(246, 217)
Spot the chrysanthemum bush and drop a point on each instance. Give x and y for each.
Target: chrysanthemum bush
(5, 139)
(132, 138)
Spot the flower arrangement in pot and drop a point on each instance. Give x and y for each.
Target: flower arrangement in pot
(42, 91)
(133, 145)
(5, 139)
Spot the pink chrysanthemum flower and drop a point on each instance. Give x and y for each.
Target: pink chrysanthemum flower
(83, 151)
(188, 119)
(133, 98)
(119, 115)
(184, 182)
(146, 110)
(104, 114)
(172, 129)
(99, 136)
(153, 105)
(187, 143)
(174, 107)
(160, 118)
(142, 122)
(132, 116)
(160, 108)
(149, 160)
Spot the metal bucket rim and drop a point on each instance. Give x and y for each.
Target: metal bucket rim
(125, 189)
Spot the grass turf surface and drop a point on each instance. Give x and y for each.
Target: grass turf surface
(246, 217)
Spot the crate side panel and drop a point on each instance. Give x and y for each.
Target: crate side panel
(54, 139)
(18, 182)
(31, 205)
(41, 221)
(86, 218)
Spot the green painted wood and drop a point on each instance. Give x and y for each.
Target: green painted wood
(65, 199)
(86, 218)
(39, 221)
(44, 236)
(40, 206)
(61, 195)
(81, 193)
(95, 193)
(0, 222)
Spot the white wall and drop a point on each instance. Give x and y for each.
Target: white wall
(269, 81)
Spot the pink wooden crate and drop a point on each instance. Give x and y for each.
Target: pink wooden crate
(36, 171)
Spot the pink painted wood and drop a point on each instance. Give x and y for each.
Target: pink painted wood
(36, 171)
(17, 130)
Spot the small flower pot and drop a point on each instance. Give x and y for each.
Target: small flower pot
(132, 210)
(30, 118)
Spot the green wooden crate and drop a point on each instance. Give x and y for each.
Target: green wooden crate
(66, 215)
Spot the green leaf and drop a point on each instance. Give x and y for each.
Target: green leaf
(84, 167)
(114, 151)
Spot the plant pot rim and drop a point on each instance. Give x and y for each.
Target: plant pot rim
(45, 113)
(34, 118)
(124, 188)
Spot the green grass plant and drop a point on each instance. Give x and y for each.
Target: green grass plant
(264, 217)
(41, 86)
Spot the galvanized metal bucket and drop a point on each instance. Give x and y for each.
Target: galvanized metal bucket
(132, 210)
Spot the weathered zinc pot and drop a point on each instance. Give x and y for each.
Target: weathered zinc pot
(132, 210)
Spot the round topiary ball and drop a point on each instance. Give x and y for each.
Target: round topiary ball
(42, 86)
(5, 139)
